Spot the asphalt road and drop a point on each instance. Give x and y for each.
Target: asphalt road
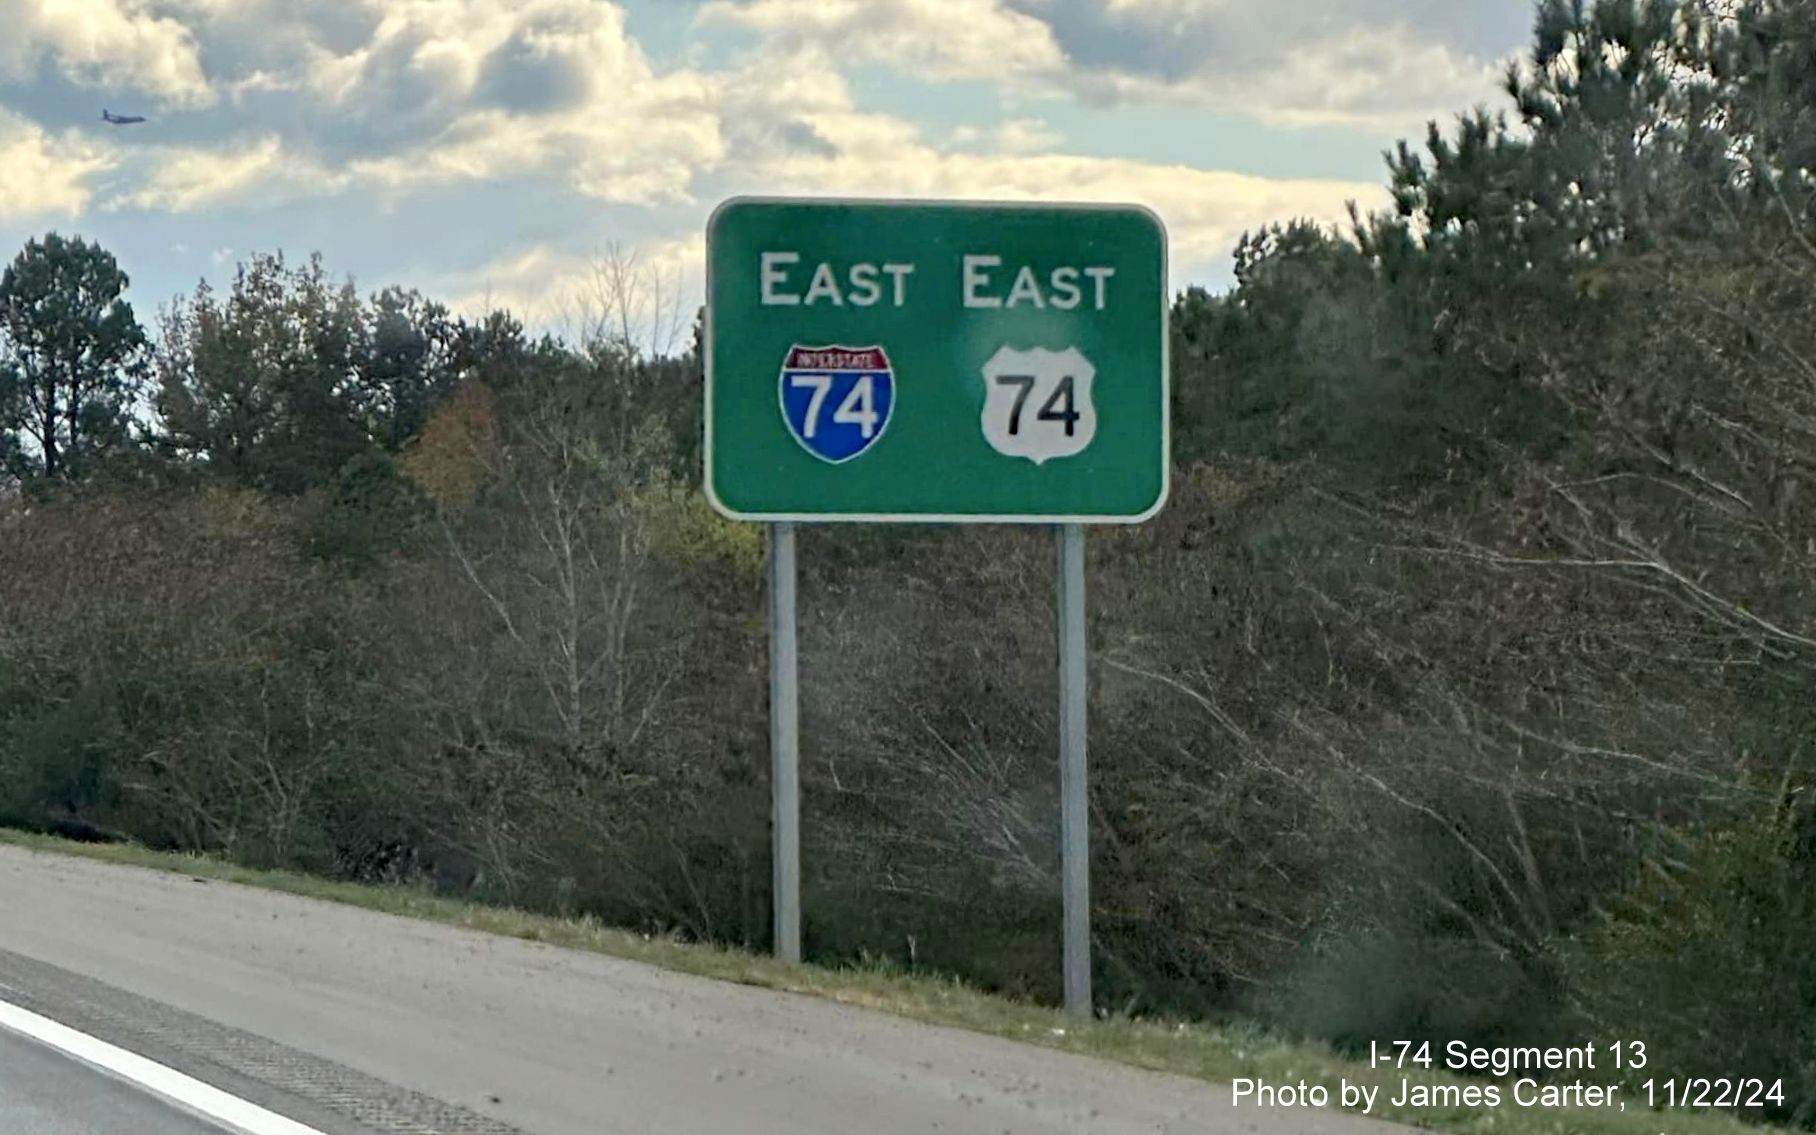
(359, 1022)
(43, 1092)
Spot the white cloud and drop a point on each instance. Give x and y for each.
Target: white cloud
(576, 293)
(111, 43)
(42, 175)
(646, 156)
(396, 95)
(1316, 62)
(554, 287)
(935, 39)
(387, 98)
(1205, 210)
(876, 155)
(1381, 79)
(185, 179)
(393, 96)
(528, 282)
(791, 127)
(1015, 136)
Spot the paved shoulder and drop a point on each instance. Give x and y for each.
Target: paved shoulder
(43, 1092)
(558, 1042)
(324, 1096)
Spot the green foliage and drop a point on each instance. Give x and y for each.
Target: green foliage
(1320, 354)
(1269, 369)
(55, 745)
(413, 363)
(1712, 940)
(282, 382)
(1569, 435)
(369, 510)
(685, 530)
(70, 354)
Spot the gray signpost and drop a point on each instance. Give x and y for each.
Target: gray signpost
(784, 742)
(1074, 805)
(936, 361)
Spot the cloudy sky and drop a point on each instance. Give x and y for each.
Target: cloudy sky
(490, 149)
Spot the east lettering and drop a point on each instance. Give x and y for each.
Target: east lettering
(780, 275)
(982, 276)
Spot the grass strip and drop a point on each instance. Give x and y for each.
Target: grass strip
(1219, 1052)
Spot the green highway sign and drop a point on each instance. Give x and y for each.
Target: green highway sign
(936, 361)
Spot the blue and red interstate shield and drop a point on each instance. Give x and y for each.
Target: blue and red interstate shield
(837, 400)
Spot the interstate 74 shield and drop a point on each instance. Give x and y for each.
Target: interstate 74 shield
(837, 400)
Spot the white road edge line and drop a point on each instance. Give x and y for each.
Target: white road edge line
(185, 1092)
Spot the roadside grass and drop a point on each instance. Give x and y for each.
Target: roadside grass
(1216, 1052)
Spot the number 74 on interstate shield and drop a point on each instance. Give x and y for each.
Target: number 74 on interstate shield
(837, 400)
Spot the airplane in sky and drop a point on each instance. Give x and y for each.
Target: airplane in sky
(120, 119)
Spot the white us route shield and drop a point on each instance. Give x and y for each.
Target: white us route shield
(1038, 403)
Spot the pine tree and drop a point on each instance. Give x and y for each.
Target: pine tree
(70, 356)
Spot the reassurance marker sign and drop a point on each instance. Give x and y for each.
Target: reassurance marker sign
(936, 361)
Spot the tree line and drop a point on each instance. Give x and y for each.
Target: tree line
(1466, 688)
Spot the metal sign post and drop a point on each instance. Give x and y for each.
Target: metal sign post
(784, 742)
(936, 361)
(1074, 809)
